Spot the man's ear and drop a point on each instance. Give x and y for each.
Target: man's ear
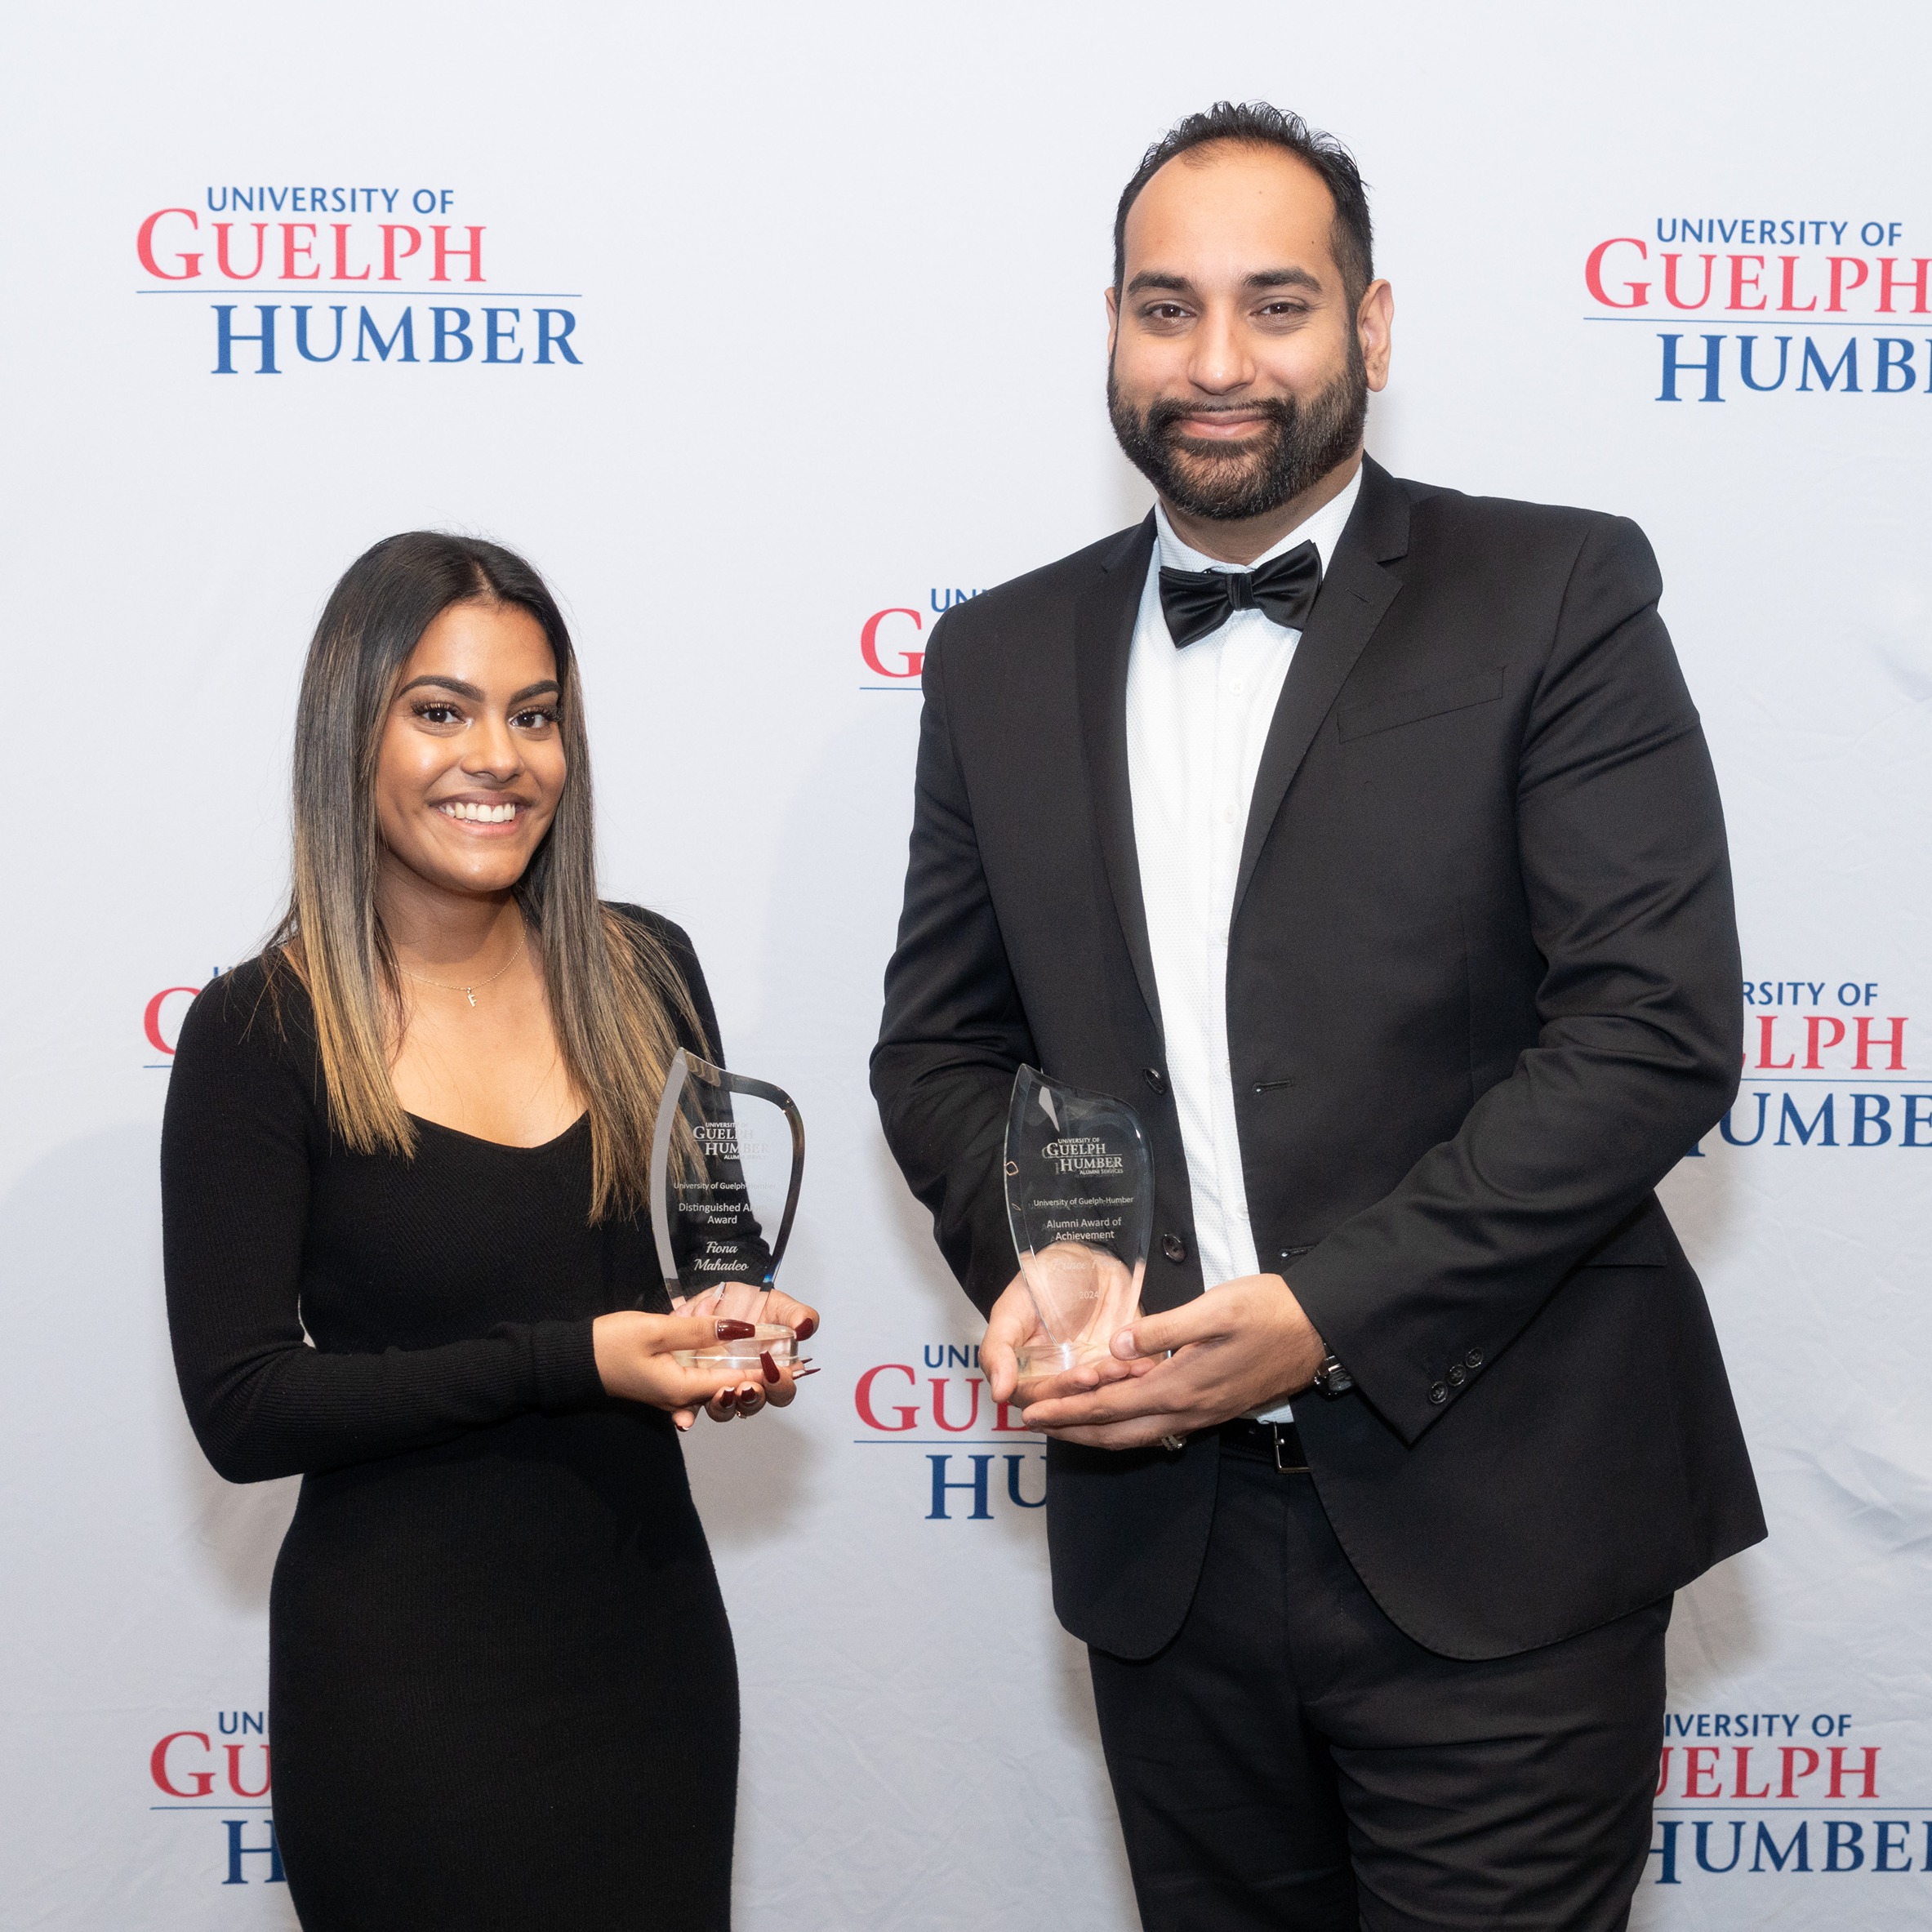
(1113, 301)
(1375, 321)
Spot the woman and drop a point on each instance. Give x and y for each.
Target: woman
(403, 1182)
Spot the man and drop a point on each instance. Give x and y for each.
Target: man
(1364, 834)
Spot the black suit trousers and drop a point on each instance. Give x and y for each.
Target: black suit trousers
(1292, 1761)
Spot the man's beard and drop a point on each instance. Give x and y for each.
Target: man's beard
(1296, 447)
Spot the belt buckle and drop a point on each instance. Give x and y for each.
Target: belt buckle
(1280, 1437)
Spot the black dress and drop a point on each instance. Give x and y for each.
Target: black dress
(501, 1687)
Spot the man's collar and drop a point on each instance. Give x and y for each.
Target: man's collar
(1323, 529)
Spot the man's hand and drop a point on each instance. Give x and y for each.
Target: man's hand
(1015, 1322)
(1239, 1347)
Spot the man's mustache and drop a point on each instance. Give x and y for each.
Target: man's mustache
(1166, 417)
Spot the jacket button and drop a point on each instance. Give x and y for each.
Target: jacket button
(1438, 1392)
(1154, 1078)
(1174, 1248)
(1474, 1358)
(1457, 1376)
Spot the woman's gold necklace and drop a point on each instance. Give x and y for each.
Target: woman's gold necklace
(469, 992)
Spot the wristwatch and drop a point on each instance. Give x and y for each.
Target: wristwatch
(1332, 1378)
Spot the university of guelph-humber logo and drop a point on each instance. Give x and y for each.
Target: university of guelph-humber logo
(1778, 1794)
(1826, 1065)
(980, 1457)
(892, 642)
(720, 1139)
(218, 1772)
(1804, 305)
(1083, 1156)
(300, 257)
(161, 1021)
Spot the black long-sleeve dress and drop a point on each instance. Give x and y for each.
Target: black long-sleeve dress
(501, 1686)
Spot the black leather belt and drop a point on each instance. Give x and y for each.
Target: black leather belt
(1278, 1443)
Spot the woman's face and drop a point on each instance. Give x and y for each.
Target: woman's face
(471, 766)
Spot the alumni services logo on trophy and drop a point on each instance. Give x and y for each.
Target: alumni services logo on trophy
(1080, 1196)
(727, 1157)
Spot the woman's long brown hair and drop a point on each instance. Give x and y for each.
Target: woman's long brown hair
(612, 989)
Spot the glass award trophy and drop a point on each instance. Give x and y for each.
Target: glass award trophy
(1080, 1196)
(726, 1158)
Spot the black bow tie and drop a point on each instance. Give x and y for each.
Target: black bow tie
(1197, 603)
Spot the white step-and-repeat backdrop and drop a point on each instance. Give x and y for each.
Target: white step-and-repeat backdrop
(768, 331)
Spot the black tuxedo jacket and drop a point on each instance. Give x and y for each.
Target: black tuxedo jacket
(1482, 995)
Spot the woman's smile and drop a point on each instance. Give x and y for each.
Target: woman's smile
(484, 816)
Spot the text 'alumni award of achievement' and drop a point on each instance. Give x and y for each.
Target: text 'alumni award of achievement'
(1080, 1195)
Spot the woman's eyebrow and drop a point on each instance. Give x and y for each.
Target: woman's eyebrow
(463, 688)
(455, 684)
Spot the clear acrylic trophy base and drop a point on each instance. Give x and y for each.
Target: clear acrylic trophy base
(1038, 1360)
(748, 1353)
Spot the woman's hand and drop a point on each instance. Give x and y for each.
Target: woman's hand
(637, 1359)
(776, 1382)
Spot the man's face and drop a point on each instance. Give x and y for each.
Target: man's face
(1238, 373)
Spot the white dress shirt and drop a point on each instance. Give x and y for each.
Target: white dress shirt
(1196, 721)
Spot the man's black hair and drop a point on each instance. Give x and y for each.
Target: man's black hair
(1255, 124)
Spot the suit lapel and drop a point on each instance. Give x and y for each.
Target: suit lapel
(1356, 592)
(1103, 640)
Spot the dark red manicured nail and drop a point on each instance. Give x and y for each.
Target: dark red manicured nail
(725, 1397)
(770, 1367)
(799, 1374)
(808, 1329)
(735, 1331)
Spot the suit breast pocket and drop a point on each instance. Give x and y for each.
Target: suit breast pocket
(1369, 715)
